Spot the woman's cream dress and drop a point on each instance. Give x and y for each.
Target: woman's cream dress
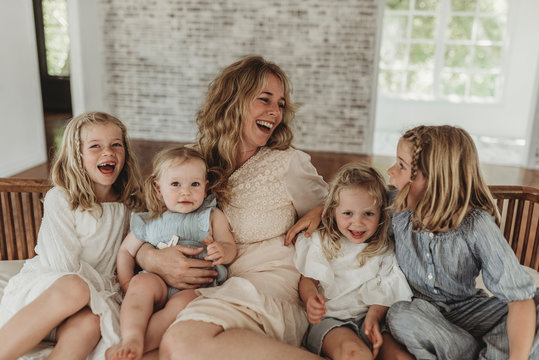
(269, 191)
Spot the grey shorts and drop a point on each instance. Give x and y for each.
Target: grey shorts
(316, 333)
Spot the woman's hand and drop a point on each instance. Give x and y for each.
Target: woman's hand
(308, 222)
(173, 265)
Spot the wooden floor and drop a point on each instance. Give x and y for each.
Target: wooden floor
(326, 163)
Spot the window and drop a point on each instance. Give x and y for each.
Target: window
(444, 50)
(56, 34)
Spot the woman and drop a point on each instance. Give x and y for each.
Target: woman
(262, 185)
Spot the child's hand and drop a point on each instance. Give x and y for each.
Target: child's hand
(316, 308)
(215, 251)
(372, 331)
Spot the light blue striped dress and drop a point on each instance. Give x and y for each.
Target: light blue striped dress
(449, 318)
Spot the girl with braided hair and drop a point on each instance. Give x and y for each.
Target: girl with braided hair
(445, 233)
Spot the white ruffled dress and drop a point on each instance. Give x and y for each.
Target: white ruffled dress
(74, 242)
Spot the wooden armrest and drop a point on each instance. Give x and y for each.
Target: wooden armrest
(21, 210)
(519, 210)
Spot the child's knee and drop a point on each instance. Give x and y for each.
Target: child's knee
(351, 350)
(72, 291)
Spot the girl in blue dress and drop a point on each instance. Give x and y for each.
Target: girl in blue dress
(445, 234)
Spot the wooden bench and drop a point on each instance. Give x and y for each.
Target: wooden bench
(22, 209)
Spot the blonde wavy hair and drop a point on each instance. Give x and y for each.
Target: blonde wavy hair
(161, 161)
(221, 116)
(69, 173)
(447, 158)
(356, 176)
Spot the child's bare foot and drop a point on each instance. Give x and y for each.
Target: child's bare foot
(126, 350)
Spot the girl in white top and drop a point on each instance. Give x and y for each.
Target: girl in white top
(68, 292)
(350, 275)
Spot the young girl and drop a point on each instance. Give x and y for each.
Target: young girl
(445, 233)
(178, 209)
(349, 272)
(68, 292)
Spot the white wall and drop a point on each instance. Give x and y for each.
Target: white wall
(512, 118)
(22, 133)
(87, 58)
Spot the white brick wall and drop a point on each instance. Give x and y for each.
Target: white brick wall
(160, 56)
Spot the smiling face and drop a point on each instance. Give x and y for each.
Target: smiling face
(264, 114)
(103, 155)
(357, 214)
(182, 185)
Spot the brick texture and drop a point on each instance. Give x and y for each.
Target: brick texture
(160, 56)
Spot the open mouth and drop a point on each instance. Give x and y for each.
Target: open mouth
(106, 168)
(265, 125)
(357, 234)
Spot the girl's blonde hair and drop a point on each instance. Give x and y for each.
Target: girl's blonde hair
(163, 160)
(362, 176)
(221, 116)
(69, 173)
(447, 158)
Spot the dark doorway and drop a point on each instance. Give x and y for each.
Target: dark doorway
(53, 53)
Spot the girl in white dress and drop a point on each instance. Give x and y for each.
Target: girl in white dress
(68, 292)
(350, 275)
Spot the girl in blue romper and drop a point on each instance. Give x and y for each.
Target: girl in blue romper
(180, 213)
(445, 233)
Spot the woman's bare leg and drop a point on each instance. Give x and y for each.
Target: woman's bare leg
(343, 344)
(77, 336)
(145, 293)
(65, 297)
(199, 340)
(161, 320)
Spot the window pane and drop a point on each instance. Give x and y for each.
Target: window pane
(419, 82)
(463, 5)
(393, 55)
(395, 26)
(491, 29)
(483, 85)
(457, 56)
(488, 57)
(390, 81)
(56, 37)
(493, 6)
(426, 4)
(422, 54)
(398, 4)
(460, 28)
(423, 27)
(452, 83)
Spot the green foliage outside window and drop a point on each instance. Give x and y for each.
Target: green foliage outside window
(56, 37)
(465, 65)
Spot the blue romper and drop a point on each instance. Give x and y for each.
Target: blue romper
(192, 228)
(448, 317)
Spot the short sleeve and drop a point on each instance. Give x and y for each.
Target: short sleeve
(310, 260)
(138, 225)
(503, 275)
(389, 286)
(305, 187)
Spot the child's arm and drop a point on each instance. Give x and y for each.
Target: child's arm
(221, 245)
(315, 303)
(125, 262)
(520, 328)
(372, 326)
